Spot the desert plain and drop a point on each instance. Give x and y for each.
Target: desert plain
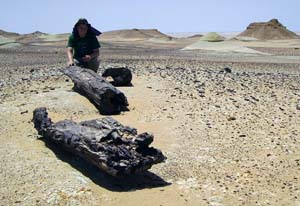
(225, 114)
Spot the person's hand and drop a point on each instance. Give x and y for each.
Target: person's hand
(87, 58)
(70, 63)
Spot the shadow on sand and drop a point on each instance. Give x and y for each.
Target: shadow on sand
(118, 184)
(128, 85)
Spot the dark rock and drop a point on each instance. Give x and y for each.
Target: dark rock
(24, 112)
(231, 118)
(254, 98)
(231, 91)
(227, 70)
(201, 91)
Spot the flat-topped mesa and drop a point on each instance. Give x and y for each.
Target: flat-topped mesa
(270, 30)
(107, 99)
(115, 149)
(133, 34)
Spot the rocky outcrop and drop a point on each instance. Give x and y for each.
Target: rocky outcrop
(270, 30)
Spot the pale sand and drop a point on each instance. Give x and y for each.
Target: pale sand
(223, 46)
(243, 46)
(230, 139)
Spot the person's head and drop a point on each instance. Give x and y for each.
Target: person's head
(82, 27)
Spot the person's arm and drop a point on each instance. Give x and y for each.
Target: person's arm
(70, 56)
(70, 46)
(95, 53)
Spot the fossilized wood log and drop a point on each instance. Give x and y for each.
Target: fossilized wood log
(107, 99)
(116, 149)
(122, 76)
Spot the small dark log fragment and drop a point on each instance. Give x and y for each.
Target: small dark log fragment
(107, 99)
(122, 76)
(115, 149)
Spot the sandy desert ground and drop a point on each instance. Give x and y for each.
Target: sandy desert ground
(231, 138)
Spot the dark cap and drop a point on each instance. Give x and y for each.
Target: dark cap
(82, 21)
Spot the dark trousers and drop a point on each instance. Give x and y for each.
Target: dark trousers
(93, 64)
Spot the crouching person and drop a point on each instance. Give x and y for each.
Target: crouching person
(83, 46)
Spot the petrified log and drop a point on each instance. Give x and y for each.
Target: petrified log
(116, 149)
(122, 76)
(107, 99)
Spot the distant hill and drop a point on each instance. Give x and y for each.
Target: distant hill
(270, 30)
(154, 33)
(40, 38)
(212, 37)
(8, 34)
(7, 38)
(196, 36)
(10, 39)
(36, 33)
(133, 34)
(31, 37)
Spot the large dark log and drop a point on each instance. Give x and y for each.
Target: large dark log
(107, 98)
(122, 76)
(116, 149)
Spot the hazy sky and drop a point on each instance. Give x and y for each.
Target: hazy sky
(59, 16)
